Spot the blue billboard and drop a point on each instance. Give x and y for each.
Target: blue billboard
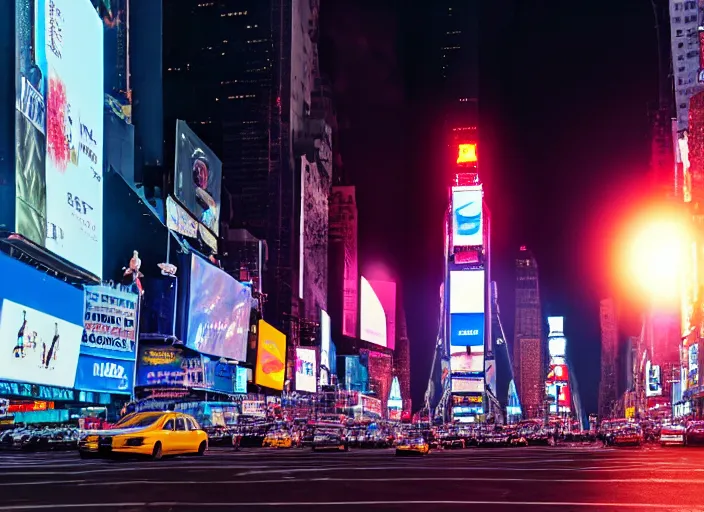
(467, 329)
(104, 375)
(222, 376)
(240, 379)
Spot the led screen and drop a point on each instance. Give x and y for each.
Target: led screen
(59, 129)
(241, 380)
(693, 366)
(467, 216)
(467, 291)
(467, 385)
(557, 347)
(386, 293)
(653, 384)
(37, 347)
(305, 369)
(467, 329)
(556, 325)
(325, 360)
(218, 312)
(462, 361)
(198, 177)
(373, 318)
(558, 373)
(104, 375)
(271, 357)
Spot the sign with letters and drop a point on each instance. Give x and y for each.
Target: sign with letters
(109, 322)
(104, 375)
(467, 329)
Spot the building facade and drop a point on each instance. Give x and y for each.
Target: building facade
(608, 385)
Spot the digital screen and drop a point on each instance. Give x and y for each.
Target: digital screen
(467, 291)
(104, 375)
(556, 325)
(558, 373)
(653, 384)
(564, 398)
(467, 329)
(557, 347)
(271, 357)
(467, 384)
(219, 375)
(325, 360)
(240, 379)
(168, 367)
(373, 317)
(59, 129)
(198, 177)
(467, 216)
(386, 293)
(36, 347)
(462, 361)
(218, 312)
(305, 370)
(109, 323)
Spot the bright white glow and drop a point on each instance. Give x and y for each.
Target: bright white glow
(557, 347)
(324, 347)
(467, 291)
(556, 325)
(305, 369)
(372, 316)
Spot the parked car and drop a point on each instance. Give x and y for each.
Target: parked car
(695, 434)
(673, 435)
(330, 438)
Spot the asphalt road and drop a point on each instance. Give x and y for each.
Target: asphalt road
(516, 479)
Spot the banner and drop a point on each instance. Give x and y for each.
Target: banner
(110, 323)
(179, 220)
(104, 375)
(167, 367)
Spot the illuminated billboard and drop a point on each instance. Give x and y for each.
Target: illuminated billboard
(372, 316)
(556, 326)
(198, 177)
(653, 382)
(557, 347)
(563, 398)
(305, 369)
(464, 361)
(325, 338)
(467, 329)
(59, 129)
(693, 366)
(467, 384)
(467, 291)
(467, 223)
(386, 293)
(271, 357)
(466, 154)
(558, 373)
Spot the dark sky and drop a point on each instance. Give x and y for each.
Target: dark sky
(564, 91)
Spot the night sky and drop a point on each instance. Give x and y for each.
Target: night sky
(564, 149)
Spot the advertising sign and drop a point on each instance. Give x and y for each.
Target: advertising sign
(219, 376)
(305, 369)
(557, 347)
(109, 322)
(693, 366)
(271, 357)
(558, 373)
(198, 177)
(370, 405)
(36, 347)
(325, 339)
(240, 379)
(167, 367)
(218, 312)
(467, 384)
(386, 293)
(653, 384)
(467, 216)
(395, 400)
(179, 220)
(59, 129)
(556, 326)
(254, 407)
(372, 316)
(467, 329)
(462, 361)
(104, 375)
(467, 291)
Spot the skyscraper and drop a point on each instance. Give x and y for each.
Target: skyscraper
(528, 347)
(608, 385)
(243, 80)
(402, 357)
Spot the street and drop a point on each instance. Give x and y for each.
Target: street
(535, 478)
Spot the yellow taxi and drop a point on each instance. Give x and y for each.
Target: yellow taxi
(153, 434)
(413, 446)
(278, 440)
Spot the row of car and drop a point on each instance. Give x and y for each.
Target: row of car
(46, 437)
(631, 433)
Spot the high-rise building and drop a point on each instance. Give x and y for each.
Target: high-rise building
(528, 349)
(243, 79)
(402, 358)
(608, 385)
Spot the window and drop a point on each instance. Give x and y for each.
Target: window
(169, 425)
(180, 424)
(192, 425)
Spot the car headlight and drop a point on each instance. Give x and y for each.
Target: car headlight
(134, 441)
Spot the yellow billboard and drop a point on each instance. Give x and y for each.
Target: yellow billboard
(271, 357)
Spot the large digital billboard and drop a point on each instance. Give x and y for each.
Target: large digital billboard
(104, 375)
(467, 291)
(271, 357)
(467, 216)
(653, 382)
(372, 315)
(558, 373)
(305, 369)
(325, 339)
(109, 323)
(556, 326)
(386, 293)
(467, 329)
(218, 312)
(557, 347)
(467, 384)
(165, 366)
(198, 177)
(59, 129)
(464, 361)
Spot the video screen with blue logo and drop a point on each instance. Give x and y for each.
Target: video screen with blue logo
(467, 329)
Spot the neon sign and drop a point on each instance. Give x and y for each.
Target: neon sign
(466, 153)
